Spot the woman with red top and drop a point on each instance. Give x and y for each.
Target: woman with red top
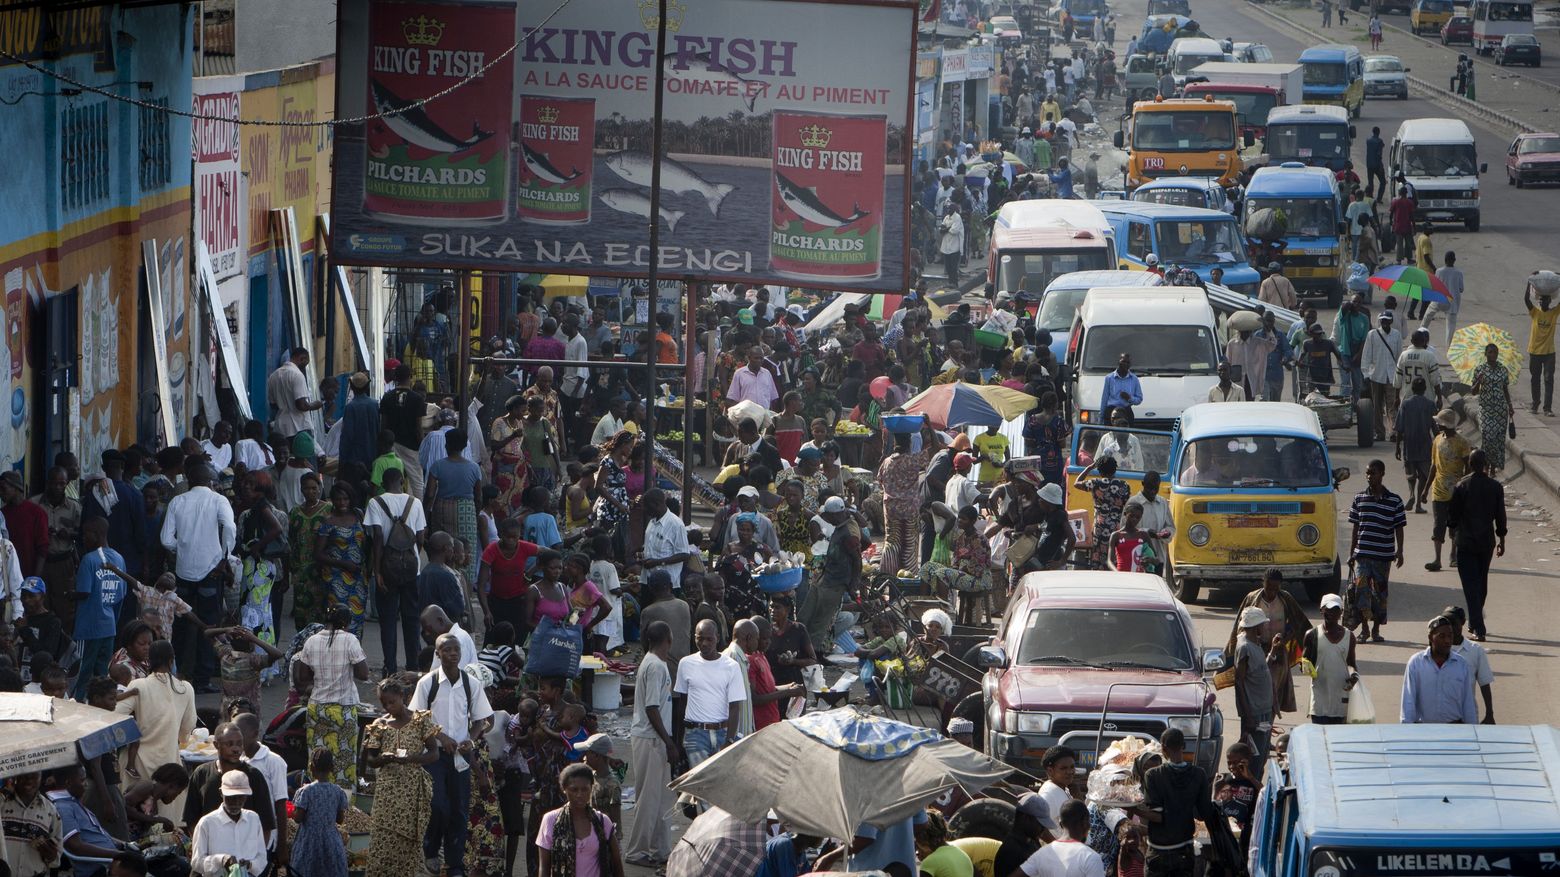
(501, 585)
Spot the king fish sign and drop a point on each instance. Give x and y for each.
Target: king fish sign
(785, 144)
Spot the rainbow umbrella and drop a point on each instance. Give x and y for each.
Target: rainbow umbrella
(1466, 352)
(961, 404)
(1411, 283)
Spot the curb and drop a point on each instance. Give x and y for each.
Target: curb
(1544, 467)
(1451, 99)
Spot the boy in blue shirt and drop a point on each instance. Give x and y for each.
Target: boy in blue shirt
(100, 589)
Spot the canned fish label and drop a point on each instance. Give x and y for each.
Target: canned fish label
(557, 157)
(827, 196)
(446, 161)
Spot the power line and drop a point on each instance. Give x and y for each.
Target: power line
(281, 123)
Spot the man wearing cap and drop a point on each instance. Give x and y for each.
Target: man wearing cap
(606, 793)
(231, 834)
(1254, 682)
(209, 784)
(1476, 656)
(1350, 327)
(1031, 814)
(1415, 430)
(287, 392)
(1378, 363)
(1329, 647)
(1276, 288)
(1378, 517)
(962, 490)
(1056, 539)
(841, 574)
(1418, 361)
(1438, 682)
(1448, 464)
(1477, 517)
(360, 424)
(763, 527)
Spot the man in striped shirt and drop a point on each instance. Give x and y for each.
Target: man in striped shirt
(1376, 546)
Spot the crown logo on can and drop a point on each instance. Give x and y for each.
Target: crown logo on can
(422, 31)
(650, 15)
(547, 114)
(816, 136)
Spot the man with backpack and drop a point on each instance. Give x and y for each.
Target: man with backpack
(399, 527)
(460, 707)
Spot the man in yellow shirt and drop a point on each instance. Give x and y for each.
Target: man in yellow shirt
(993, 447)
(1424, 259)
(1448, 464)
(1541, 348)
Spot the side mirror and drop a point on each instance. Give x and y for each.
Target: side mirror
(1408, 70)
(1484, 167)
(1248, 138)
(1213, 660)
(1340, 475)
(1120, 139)
(1352, 135)
(992, 658)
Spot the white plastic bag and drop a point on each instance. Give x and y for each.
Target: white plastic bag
(1001, 322)
(1360, 710)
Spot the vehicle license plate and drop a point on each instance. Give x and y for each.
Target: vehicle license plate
(1250, 522)
(1251, 555)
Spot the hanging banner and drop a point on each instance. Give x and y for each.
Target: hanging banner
(786, 137)
(219, 199)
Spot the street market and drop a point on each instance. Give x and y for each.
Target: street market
(968, 438)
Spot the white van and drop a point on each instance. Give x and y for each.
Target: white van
(1188, 53)
(1171, 335)
(1439, 160)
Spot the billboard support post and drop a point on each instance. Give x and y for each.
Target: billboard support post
(655, 250)
(690, 319)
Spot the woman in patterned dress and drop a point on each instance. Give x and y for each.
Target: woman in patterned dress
(339, 552)
(1492, 384)
(397, 745)
(328, 667)
(511, 474)
(611, 510)
(1110, 498)
(303, 523)
(900, 476)
(485, 839)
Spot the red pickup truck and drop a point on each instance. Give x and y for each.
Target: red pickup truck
(1070, 642)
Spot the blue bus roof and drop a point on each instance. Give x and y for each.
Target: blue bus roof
(1291, 182)
(1329, 52)
(1395, 783)
(1156, 210)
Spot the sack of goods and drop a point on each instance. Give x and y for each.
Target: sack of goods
(1118, 779)
(1267, 224)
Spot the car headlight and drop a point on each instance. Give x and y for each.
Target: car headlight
(1187, 725)
(1325, 261)
(1199, 534)
(1031, 723)
(1308, 534)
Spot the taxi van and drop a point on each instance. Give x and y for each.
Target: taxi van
(1424, 800)
(1190, 237)
(1428, 16)
(1252, 488)
(1334, 74)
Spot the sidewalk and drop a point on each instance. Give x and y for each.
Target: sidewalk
(1505, 97)
(1536, 447)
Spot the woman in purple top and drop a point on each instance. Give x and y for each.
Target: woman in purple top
(577, 840)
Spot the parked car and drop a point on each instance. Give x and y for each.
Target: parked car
(1078, 650)
(1384, 77)
(1458, 29)
(1005, 27)
(1518, 48)
(1533, 158)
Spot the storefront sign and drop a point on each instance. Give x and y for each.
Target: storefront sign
(219, 200)
(955, 64)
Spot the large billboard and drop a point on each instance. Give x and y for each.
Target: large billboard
(785, 129)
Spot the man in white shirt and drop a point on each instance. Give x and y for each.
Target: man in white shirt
(710, 688)
(229, 835)
(436, 623)
(1477, 658)
(1226, 390)
(753, 382)
(1452, 276)
(398, 527)
(1419, 361)
(1059, 764)
(653, 750)
(962, 490)
(666, 537)
(1378, 362)
(576, 379)
(1067, 856)
(461, 708)
(258, 756)
(610, 423)
(287, 392)
(198, 528)
(219, 448)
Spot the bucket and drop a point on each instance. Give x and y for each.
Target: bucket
(606, 691)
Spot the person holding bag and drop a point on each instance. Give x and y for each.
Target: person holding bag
(577, 840)
(1328, 651)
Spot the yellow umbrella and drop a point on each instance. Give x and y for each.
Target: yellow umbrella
(556, 285)
(1466, 352)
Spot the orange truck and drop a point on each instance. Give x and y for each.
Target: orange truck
(1183, 137)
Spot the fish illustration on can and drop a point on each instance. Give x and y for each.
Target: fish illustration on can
(444, 161)
(557, 158)
(827, 197)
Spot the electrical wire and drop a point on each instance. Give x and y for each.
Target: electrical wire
(283, 123)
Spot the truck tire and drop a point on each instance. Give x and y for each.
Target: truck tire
(983, 817)
(1472, 222)
(1185, 589)
(1364, 426)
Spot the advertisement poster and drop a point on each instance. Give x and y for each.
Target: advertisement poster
(219, 200)
(785, 141)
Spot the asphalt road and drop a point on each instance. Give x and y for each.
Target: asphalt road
(1519, 230)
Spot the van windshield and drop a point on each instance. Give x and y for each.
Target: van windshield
(1177, 197)
(1511, 12)
(1169, 7)
(1187, 130)
(1086, 7)
(1058, 309)
(1198, 242)
(1033, 272)
(1326, 73)
(1440, 160)
(1435, 6)
(1156, 350)
(1307, 142)
(1253, 461)
(1305, 217)
(1104, 637)
(1133, 451)
(1187, 63)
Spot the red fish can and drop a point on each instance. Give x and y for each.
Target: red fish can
(445, 161)
(826, 197)
(557, 158)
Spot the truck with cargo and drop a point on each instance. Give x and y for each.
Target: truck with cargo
(1255, 89)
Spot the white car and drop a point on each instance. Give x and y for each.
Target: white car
(1005, 27)
(1384, 77)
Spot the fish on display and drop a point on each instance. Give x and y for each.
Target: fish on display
(637, 204)
(700, 66)
(411, 124)
(804, 202)
(537, 164)
(635, 166)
